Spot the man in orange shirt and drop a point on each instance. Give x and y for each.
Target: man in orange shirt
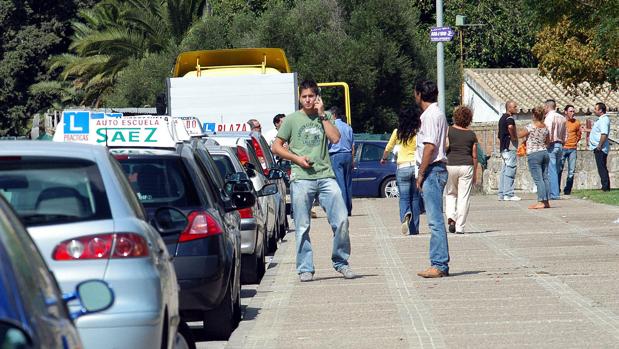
(572, 137)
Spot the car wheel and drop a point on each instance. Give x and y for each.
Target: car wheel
(252, 266)
(221, 321)
(272, 240)
(184, 337)
(389, 188)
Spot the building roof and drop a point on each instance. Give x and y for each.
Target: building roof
(529, 89)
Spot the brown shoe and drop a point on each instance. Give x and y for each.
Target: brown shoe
(432, 272)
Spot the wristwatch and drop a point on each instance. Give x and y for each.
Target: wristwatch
(323, 117)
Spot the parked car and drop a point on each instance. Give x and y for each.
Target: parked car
(207, 250)
(270, 168)
(253, 219)
(33, 312)
(370, 178)
(81, 212)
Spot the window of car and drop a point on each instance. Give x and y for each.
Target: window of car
(160, 181)
(371, 152)
(224, 164)
(54, 190)
(134, 203)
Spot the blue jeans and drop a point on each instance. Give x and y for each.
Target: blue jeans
(410, 199)
(433, 187)
(570, 156)
(555, 153)
(342, 167)
(508, 174)
(538, 165)
(330, 197)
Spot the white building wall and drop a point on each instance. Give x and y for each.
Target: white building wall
(485, 107)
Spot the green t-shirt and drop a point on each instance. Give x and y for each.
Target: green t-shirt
(306, 137)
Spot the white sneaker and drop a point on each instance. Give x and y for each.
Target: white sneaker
(512, 198)
(407, 219)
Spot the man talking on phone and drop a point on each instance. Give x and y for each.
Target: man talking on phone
(308, 132)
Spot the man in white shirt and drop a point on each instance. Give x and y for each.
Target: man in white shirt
(432, 162)
(271, 134)
(555, 123)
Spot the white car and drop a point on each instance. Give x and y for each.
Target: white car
(87, 222)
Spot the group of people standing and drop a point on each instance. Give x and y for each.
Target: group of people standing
(550, 141)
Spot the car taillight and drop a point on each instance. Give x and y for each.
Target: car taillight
(241, 153)
(102, 246)
(121, 157)
(200, 225)
(260, 155)
(246, 212)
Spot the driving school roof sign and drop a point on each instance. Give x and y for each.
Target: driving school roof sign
(440, 34)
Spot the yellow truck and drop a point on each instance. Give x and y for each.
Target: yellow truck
(226, 88)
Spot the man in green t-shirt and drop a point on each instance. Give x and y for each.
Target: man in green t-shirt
(308, 132)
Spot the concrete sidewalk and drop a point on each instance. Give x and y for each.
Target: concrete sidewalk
(520, 278)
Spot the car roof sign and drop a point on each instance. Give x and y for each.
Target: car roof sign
(192, 125)
(117, 131)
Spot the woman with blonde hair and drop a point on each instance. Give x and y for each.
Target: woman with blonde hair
(537, 138)
(461, 168)
(406, 136)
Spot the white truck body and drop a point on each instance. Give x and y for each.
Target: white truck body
(226, 103)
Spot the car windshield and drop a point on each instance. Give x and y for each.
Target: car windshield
(51, 190)
(160, 181)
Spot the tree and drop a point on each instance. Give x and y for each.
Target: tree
(115, 33)
(30, 31)
(579, 43)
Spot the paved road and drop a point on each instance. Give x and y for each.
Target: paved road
(546, 278)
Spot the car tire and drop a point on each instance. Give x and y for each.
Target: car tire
(272, 239)
(252, 266)
(219, 323)
(184, 337)
(389, 188)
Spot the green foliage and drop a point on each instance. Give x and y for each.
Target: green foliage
(30, 31)
(141, 81)
(579, 42)
(377, 49)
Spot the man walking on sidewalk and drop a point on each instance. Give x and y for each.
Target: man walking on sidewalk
(307, 132)
(342, 156)
(432, 162)
(572, 137)
(555, 123)
(508, 143)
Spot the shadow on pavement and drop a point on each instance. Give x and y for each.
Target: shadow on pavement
(245, 293)
(472, 272)
(359, 276)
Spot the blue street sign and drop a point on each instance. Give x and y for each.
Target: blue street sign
(440, 34)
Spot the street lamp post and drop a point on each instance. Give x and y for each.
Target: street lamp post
(461, 24)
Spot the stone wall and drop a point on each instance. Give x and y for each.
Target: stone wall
(585, 175)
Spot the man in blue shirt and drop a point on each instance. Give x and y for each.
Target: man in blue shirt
(598, 142)
(342, 156)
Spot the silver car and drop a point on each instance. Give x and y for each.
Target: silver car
(85, 219)
(253, 219)
(246, 154)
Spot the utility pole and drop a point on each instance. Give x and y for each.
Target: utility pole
(440, 59)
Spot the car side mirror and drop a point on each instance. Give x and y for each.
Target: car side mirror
(276, 173)
(241, 192)
(14, 336)
(267, 190)
(169, 220)
(94, 296)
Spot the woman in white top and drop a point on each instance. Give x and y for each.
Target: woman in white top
(537, 138)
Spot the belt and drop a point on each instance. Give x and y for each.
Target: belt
(406, 164)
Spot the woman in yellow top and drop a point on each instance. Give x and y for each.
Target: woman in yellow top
(410, 199)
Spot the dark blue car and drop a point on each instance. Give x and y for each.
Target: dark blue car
(370, 178)
(33, 313)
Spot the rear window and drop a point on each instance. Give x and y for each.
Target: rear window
(160, 181)
(47, 191)
(224, 164)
